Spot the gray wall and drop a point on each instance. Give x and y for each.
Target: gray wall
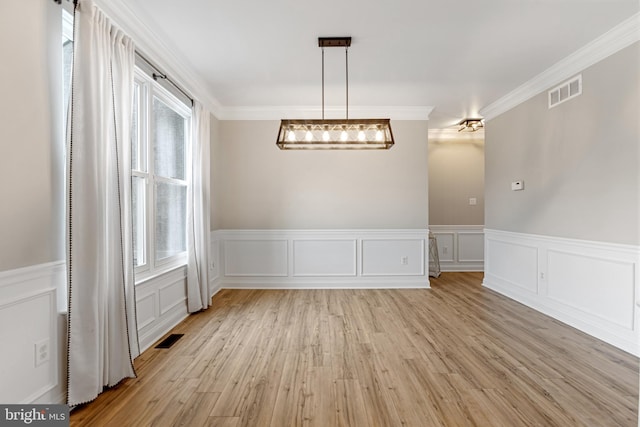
(579, 160)
(456, 174)
(216, 176)
(31, 177)
(258, 186)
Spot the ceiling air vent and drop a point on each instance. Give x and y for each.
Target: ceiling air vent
(565, 91)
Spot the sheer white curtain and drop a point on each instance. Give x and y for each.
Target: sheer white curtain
(198, 218)
(102, 333)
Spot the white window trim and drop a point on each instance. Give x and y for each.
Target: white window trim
(154, 268)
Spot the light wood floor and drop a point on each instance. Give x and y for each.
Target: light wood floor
(455, 355)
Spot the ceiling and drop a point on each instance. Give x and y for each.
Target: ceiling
(456, 56)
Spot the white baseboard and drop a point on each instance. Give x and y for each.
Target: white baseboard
(314, 259)
(591, 286)
(325, 284)
(460, 247)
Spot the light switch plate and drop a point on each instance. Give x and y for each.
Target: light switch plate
(517, 185)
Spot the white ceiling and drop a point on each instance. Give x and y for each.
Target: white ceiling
(457, 56)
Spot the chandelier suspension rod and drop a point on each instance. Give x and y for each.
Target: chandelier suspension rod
(322, 83)
(346, 66)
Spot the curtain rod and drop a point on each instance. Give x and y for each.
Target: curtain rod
(160, 75)
(157, 74)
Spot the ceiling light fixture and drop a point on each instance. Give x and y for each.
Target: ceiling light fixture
(335, 133)
(470, 125)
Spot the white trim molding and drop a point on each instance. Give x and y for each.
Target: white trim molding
(320, 259)
(591, 286)
(315, 112)
(616, 39)
(460, 247)
(165, 55)
(29, 298)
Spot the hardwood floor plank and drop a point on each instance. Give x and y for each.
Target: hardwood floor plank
(292, 392)
(454, 355)
(350, 408)
(196, 412)
(223, 422)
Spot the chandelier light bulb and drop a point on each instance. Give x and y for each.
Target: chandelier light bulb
(308, 136)
(379, 135)
(344, 136)
(361, 136)
(291, 136)
(325, 136)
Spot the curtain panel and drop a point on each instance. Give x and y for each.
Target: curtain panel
(198, 216)
(102, 335)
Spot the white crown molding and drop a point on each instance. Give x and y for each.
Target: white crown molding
(616, 39)
(173, 63)
(453, 135)
(306, 112)
(159, 52)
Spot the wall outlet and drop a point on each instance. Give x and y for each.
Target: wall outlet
(404, 260)
(517, 185)
(42, 352)
(473, 201)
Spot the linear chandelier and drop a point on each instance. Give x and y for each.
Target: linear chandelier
(336, 134)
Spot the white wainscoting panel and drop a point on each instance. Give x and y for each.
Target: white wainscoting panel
(470, 247)
(521, 269)
(29, 315)
(391, 257)
(591, 286)
(324, 257)
(255, 257)
(298, 259)
(161, 303)
(595, 286)
(447, 242)
(460, 247)
(146, 310)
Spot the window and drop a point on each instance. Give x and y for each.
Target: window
(160, 137)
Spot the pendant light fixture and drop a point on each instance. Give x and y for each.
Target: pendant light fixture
(335, 133)
(470, 125)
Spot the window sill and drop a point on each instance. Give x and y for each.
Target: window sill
(146, 276)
